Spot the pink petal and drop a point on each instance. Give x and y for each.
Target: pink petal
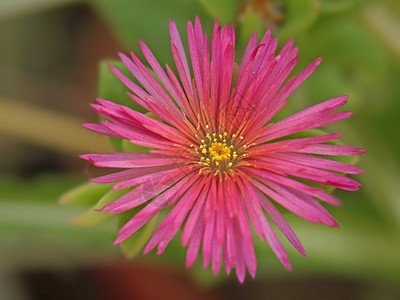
(291, 145)
(142, 194)
(281, 223)
(295, 82)
(193, 218)
(194, 244)
(131, 160)
(153, 177)
(318, 162)
(336, 150)
(240, 260)
(257, 216)
(173, 221)
(308, 173)
(294, 204)
(148, 212)
(129, 174)
(180, 55)
(288, 182)
(99, 128)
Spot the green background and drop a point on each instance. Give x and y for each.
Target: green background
(50, 55)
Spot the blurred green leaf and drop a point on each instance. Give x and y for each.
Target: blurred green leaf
(132, 20)
(90, 218)
(93, 217)
(85, 194)
(337, 6)
(35, 230)
(127, 146)
(44, 188)
(384, 22)
(250, 22)
(299, 16)
(110, 196)
(354, 63)
(135, 243)
(223, 10)
(346, 42)
(357, 250)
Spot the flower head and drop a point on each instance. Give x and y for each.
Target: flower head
(218, 163)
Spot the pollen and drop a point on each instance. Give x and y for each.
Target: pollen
(219, 151)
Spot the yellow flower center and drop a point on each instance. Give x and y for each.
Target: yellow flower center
(218, 151)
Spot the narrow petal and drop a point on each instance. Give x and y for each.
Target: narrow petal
(153, 177)
(143, 193)
(239, 259)
(131, 160)
(288, 182)
(308, 173)
(336, 150)
(129, 174)
(194, 244)
(257, 216)
(295, 82)
(193, 218)
(147, 213)
(281, 223)
(294, 204)
(177, 42)
(318, 162)
(99, 128)
(168, 228)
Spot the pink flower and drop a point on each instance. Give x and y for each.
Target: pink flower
(218, 163)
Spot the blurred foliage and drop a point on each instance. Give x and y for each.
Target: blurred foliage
(134, 20)
(35, 232)
(359, 42)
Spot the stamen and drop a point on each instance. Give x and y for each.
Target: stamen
(218, 151)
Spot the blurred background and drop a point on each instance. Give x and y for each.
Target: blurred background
(50, 70)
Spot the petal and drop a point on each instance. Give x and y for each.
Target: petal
(259, 221)
(131, 160)
(293, 203)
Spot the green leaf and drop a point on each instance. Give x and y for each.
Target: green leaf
(110, 196)
(300, 15)
(132, 20)
(132, 245)
(127, 146)
(337, 6)
(91, 218)
(223, 10)
(85, 194)
(250, 22)
(135, 243)
(353, 60)
(44, 188)
(347, 42)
